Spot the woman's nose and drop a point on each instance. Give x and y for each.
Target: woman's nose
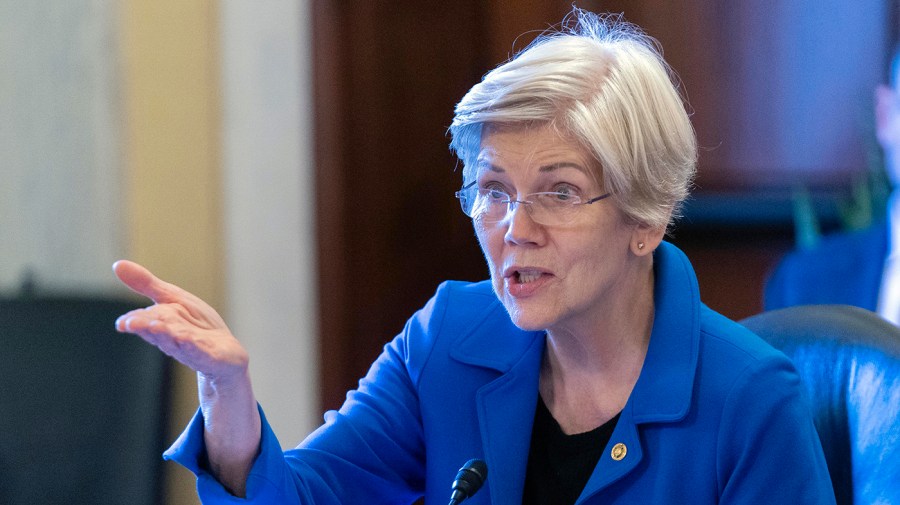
(520, 226)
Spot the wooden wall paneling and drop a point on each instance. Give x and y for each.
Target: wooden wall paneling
(512, 25)
(328, 89)
(388, 76)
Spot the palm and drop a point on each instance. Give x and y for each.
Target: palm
(181, 325)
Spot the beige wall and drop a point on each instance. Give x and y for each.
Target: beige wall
(217, 166)
(172, 175)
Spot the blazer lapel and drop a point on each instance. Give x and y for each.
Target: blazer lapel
(622, 454)
(664, 389)
(506, 409)
(505, 405)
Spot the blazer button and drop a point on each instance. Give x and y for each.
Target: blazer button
(619, 451)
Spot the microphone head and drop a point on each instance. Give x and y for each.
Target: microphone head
(469, 479)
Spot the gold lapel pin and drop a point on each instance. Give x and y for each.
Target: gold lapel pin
(619, 451)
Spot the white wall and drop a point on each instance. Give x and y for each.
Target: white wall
(60, 145)
(269, 202)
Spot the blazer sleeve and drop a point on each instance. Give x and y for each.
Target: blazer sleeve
(371, 450)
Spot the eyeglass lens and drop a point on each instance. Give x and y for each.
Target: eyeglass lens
(543, 208)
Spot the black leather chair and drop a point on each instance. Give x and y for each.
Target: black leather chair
(849, 359)
(82, 407)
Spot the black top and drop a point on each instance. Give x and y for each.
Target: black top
(560, 465)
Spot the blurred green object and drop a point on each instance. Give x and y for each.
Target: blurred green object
(865, 204)
(806, 225)
(867, 201)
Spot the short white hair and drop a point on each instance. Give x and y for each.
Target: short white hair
(601, 81)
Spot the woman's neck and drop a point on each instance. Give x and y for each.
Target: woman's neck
(587, 376)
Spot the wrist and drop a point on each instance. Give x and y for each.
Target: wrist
(232, 384)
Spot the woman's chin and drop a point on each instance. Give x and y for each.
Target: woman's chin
(527, 320)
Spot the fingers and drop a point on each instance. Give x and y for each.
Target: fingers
(189, 307)
(141, 281)
(180, 324)
(138, 321)
(159, 328)
(212, 351)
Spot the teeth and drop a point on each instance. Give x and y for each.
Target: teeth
(526, 277)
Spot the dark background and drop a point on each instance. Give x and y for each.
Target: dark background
(780, 96)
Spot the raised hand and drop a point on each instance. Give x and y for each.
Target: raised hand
(188, 329)
(181, 325)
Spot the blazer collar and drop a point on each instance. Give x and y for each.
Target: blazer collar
(493, 341)
(664, 388)
(505, 404)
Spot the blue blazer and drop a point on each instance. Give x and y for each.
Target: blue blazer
(844, 268)
(717, 416)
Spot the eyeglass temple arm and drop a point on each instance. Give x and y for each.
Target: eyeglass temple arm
(597, 199)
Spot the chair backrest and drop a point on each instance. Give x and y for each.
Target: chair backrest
(849, 359)
(82, 407)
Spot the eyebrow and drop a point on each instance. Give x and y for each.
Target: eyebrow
(543, 169)
(562, 164)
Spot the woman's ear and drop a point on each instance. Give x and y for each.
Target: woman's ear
(645, 239)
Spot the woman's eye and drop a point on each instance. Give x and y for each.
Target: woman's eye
(494, 192)
(565, 192)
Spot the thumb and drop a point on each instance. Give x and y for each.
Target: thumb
(141, 281)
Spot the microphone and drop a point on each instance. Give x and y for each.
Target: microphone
(469, 480)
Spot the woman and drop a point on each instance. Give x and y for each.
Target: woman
(587, 367)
